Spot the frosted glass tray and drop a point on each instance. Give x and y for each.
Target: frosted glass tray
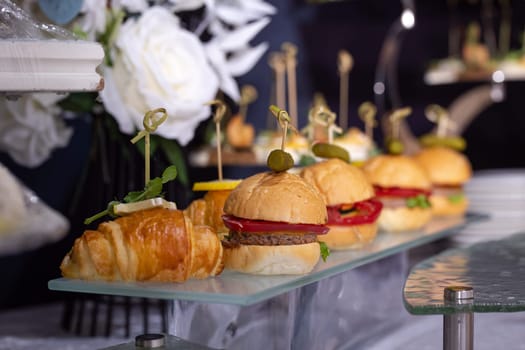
(242, 289)
(494, 269)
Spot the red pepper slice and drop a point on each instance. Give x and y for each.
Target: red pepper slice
(237, 224)
(400, 192)
(367, 212)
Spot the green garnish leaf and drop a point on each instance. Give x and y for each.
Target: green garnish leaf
(418, 201)
(325, 251)
(153, 189)
(133, 196)
(109, 211)
(111, 208)
(411, 202)
(169, 174)
(306, 160)
(456, 198)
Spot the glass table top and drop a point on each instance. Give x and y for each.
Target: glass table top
(243, 289)
(494, 269)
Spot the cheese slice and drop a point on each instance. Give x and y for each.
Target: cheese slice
(218, 185)
(128, 208)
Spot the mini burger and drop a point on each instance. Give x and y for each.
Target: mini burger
(403, 186)
(352, 209)
(448, 170)
(274, 219)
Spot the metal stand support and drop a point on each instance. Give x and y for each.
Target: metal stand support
(458, 328)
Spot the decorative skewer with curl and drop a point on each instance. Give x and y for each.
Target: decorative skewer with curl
(345, 64)
(279, 160)
(393, 143)
(220, 111)
(278, 65)
(151, 195)
(151, 122)
(324, 117)
(240, 135)
(220, 184)
(290, 58)
(367, 112)
(440, 116)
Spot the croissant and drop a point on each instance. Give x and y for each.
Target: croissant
(149, 245)
(209, 210)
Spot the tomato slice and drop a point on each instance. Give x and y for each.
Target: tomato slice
(366, 212)
(237, 224)
(400, 192)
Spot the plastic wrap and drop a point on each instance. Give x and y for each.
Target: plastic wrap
(339, 312)
(44, 57)
(15, 23)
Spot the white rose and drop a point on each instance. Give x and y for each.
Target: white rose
(31, 128)
(93, 18)
(159, 64)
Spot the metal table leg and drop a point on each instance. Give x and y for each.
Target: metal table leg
(458, 328)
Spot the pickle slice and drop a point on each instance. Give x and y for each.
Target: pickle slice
(395, 147)
(457, 143)
(279, 160)
(328, 150)
(217, 185)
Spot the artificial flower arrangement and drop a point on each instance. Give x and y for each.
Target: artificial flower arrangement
(173, 54)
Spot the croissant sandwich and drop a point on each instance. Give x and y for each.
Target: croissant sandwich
(209, 210)
(148, 245)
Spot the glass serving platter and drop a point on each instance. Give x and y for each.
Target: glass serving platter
(494, 269)
(242, 289)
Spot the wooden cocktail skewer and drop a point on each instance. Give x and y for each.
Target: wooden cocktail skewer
(283, 120)
(331, 127)
(322, 116)
(344, 65)
(313, 121)
(248, 95)
(151, 122)
(395, 119)
(278, 65)
(220, 111)
(367, 112)
(439, 115)
(290, 53)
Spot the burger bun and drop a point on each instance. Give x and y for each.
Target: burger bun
(342, 237)
(404, 219)
(273, 259)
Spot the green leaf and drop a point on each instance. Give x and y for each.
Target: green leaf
(169, 174)
(153, 188)
(325, 251)
(411, 202)
(109, 211)
(79, 102)
(134, 196)
(423, 201)
(173, 152)
(306, 160)
(79, 32)
(107, 39)
(456, 198)
(420, 201)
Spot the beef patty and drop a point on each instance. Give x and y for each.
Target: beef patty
(234, 239)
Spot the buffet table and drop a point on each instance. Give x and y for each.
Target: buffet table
(358, 307)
